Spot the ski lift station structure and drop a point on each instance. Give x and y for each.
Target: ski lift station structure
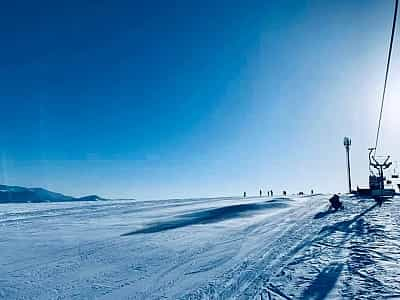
(378, 164)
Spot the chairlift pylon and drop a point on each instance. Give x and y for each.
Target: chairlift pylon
(377, 181)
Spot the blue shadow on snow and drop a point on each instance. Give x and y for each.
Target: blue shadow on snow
(210, 216)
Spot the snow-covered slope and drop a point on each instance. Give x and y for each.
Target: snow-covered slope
(227, 248)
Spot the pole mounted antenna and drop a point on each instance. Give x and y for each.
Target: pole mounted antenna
(347, 144)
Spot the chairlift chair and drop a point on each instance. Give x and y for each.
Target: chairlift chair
(376, 178)
(395, 174)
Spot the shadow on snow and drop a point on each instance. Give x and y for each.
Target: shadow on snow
(324, 283)
(210, 216)
(323, 214)
(327, 278)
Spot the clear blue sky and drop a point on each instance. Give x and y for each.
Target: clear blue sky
(161, 99)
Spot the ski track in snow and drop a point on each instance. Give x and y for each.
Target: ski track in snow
(222, 248)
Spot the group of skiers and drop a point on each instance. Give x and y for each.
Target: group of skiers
(334, 201)
(270, 193)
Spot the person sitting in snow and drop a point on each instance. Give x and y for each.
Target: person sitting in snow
(335, 202)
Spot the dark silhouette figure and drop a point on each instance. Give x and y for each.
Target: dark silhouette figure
(312, 192)
(272, 193)
(335, 202)
(260, 193)
(244, 195)
(284, 193)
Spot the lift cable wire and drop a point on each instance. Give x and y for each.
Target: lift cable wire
(387, 72)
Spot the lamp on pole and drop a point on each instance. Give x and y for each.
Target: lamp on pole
(347, 144)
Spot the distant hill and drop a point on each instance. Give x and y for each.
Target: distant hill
(18, 194)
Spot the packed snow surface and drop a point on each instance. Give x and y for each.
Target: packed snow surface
(225, 248)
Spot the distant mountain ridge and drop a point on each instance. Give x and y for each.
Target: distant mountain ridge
(18, 194)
